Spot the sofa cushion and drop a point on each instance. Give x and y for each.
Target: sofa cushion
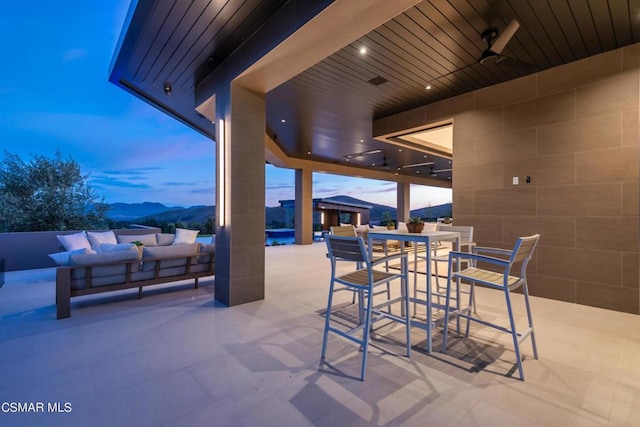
(117, 247)
(104, 257)
(185, 251)
(185, 237)
(97, 238)
(62, 258)
(165, 239)
(146, 239)
(74, 241)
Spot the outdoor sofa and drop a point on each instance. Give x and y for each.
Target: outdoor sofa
(105, 267)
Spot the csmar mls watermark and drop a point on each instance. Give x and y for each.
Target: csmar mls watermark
(35, 407)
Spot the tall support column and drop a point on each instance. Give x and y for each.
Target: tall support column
(304, 207)
(404, 201)
(240, 184)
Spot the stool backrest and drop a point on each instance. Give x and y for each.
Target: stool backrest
(466, 231)
(343, 248)
(344, 230)
(523, 251)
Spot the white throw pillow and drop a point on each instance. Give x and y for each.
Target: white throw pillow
(165, 239)
(74, 241)
(62, 258)
(185, 237)
(430, 226)
(97, 238)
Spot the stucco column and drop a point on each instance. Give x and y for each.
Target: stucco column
(404, 201)
(240, 239)
(304, 207)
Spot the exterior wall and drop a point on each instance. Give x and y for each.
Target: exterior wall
(574, 130)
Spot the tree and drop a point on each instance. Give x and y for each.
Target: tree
(47, 194)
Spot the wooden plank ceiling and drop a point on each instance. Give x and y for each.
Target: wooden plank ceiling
(328, 109)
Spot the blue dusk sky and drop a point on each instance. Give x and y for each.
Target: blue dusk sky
(55, 95)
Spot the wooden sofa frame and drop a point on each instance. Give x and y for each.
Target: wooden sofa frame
(64, 293)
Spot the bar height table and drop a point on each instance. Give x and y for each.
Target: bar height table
(428, 238)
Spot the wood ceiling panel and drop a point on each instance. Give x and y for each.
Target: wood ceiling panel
(147, 47)
(524, 42)
(205, 27)
(170, 49)
(528, 19)
(621, 22)
(634, 12)
(550, 23)
(442, 44)
(602, 20)
(329, 107)
(425, 58)
(239, 19)
(435, 51)
(582, 13)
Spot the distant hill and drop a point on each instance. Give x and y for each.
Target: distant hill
(276, 217)
(130, 211)
(193, 214)
(378, 211)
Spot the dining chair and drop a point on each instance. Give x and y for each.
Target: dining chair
(364, 280)
(498, 277)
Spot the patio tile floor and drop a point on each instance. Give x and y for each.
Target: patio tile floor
(179, 358)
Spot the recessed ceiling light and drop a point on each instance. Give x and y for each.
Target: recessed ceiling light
(363, 50)
(399, 149)
(362, 140)
(308, 152)
(428, 86)
(283, 120)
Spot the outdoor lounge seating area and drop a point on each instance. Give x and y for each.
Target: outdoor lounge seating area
(98, 262)
(181, 358)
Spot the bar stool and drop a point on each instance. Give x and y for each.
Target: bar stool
(498, 278)
(364, 281)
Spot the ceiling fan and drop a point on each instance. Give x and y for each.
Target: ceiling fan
(435, 172)
(384, 164)
(496, 42)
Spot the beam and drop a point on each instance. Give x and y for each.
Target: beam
(277, 157)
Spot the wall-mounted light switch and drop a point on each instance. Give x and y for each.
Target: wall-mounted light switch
(515, 180)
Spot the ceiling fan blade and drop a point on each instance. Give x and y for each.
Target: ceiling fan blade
(504, 38)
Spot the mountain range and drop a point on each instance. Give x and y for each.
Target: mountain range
(139, 212)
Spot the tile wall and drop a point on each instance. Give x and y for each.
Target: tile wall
(574, 130)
